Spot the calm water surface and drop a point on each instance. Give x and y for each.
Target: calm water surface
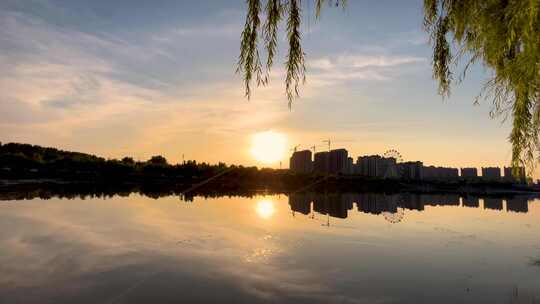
(355, 248)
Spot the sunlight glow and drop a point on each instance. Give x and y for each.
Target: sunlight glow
(268, 147)
(265, 209)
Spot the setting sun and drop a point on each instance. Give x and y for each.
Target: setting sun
(268, 147)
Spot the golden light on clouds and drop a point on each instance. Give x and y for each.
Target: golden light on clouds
(265, 208)
(268, 147)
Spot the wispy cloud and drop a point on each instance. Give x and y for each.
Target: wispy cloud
(108, 95)
(172, 35)
(334, 70)
(362, 61)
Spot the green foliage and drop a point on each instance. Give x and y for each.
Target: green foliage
(249, 60)
(295, 59)
(505, 37)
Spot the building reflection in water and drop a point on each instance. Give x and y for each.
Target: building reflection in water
(337, 205)
(265, 208)
(518, 204)
(471, 201)
(494, 203)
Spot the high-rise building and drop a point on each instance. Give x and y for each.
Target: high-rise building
(469, 172)
(338, 161)
(412, 170)
(334, 162)
(440, 173)
(510, 177)
(301, 162)
(362, 165)
(320, 163)
(350, 165)
(491, 173)
(377, 166)
(368, 165)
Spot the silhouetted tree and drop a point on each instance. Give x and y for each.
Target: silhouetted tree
(158, 160)
(21, 161)
(128, 160)
(502, 35)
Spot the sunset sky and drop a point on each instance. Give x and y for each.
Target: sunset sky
(141, 78)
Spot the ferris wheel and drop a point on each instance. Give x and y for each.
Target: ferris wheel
(393, 170)
(394, 217)
(393, 153)
(399, 214)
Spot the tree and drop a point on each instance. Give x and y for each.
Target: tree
(505, 37)
(249, 61)
(128, 160)
(157, 160)
(502, 35)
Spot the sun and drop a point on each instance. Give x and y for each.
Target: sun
(268, 147)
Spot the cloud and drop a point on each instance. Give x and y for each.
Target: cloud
(331, 71)
(321, 64)
(172, 35)
(109, 95)
(364, 61)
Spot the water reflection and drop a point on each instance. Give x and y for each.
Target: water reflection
(394, 206)
(265, 208)
(250, 248)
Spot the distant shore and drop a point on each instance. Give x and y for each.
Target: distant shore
(27, 165)
(281, 183)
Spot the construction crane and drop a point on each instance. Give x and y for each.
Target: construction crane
(314, 148)
(295, 147)
(328, 142)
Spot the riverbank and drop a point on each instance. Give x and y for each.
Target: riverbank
(282, 183)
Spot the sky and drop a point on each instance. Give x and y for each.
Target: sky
(142, 78)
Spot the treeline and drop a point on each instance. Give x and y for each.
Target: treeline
(25, 161)
(36, 164)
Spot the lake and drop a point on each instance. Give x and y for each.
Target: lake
(306, 248)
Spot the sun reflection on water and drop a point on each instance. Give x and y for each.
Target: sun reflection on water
(265, 208)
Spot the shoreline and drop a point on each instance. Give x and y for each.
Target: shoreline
(286, 184)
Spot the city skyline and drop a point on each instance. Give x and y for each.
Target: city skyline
(389, 165)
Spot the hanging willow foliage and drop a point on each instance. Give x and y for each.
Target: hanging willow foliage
(249, 61)
(503, 35)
